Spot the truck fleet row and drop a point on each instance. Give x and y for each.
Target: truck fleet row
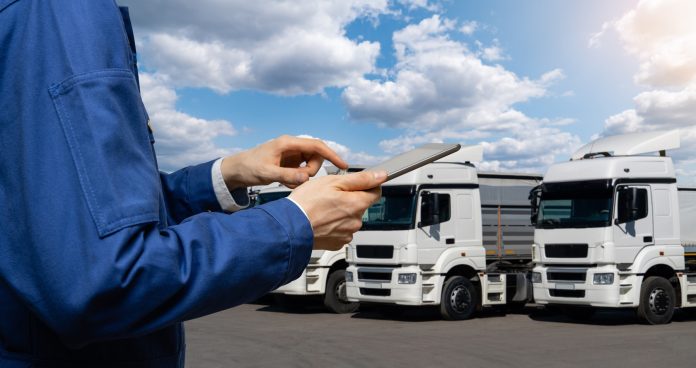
(609, 228)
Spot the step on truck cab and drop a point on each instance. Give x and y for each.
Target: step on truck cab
(613, 230)
(445, 235)
(325, 273)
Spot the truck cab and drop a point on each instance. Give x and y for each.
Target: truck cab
(430, 241)
(608, 230)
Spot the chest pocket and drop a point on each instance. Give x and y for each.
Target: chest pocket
(105, 125)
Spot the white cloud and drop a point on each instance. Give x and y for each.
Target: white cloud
(438, 90)
(288, 48)
(662, 36)
(416, 4)
(437, 82)
(596, 38)
(469, 27)
(532, 149)
(441, 90)
(181, 139)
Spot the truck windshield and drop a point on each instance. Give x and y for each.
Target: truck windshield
(394, 211)
(575, 204)
(269, 197)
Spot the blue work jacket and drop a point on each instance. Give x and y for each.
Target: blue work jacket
(101, 256)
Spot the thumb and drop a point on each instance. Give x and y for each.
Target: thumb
(363, 180)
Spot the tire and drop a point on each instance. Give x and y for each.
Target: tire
(657, 301)
(459, 300)
(578, 313)
(335, 297)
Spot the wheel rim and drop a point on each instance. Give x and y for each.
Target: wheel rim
(460, 299)
(659, 301)
(341, 292)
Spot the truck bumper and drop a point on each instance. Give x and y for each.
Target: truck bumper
(565, 285)
(386, 289)
(312, 281)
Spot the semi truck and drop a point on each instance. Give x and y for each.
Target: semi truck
(325, 274)
(446, 235)
(613, 230)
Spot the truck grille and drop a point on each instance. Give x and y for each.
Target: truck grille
(374, 276)
(566, 250)
(375, 251)
(567, 293)
(375, 292)
(566, 276)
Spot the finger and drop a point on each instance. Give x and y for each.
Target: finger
(314, 163)
(290, 177)
(312, 146)
(361, 181)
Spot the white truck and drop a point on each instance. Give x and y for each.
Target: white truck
(325, 273)
(613, 230)
(445, 235)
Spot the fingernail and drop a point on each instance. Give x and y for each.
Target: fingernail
(380, 175)
(300, 178)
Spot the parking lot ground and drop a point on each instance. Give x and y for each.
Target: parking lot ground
(267, 335)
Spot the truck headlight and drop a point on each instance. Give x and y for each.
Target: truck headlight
(603, 279)
(349, 277)
(536, 277)
(407, 278)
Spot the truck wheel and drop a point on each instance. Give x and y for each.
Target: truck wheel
(459, 299)
(335, 298)
(657, 300)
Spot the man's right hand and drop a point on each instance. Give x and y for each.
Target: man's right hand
(335, 205)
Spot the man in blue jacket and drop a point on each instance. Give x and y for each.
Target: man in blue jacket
(101, 256)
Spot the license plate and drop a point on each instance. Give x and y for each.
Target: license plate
(565, 286)
(373, 285)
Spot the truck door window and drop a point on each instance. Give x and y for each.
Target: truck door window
(632, 204)
(445, 207)
(435, 204)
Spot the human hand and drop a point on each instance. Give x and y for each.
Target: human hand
(335, 204)
(278, 160)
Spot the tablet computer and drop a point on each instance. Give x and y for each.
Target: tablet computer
(415, 158)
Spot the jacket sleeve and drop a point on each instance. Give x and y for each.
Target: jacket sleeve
(188, 191)
(94, 261)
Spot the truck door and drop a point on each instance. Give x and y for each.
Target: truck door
(435, 230)
(633, 222)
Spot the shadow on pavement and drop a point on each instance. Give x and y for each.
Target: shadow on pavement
(602, 317)
(417, 314)
(293, 304)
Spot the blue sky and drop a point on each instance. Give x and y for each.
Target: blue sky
(531, 80)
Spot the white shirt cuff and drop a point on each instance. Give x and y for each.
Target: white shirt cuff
(225, 198)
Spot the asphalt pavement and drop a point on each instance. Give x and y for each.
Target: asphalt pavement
(267, 335)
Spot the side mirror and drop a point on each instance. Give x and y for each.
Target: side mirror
(534, 198)
(430, 209)
(632, 205)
